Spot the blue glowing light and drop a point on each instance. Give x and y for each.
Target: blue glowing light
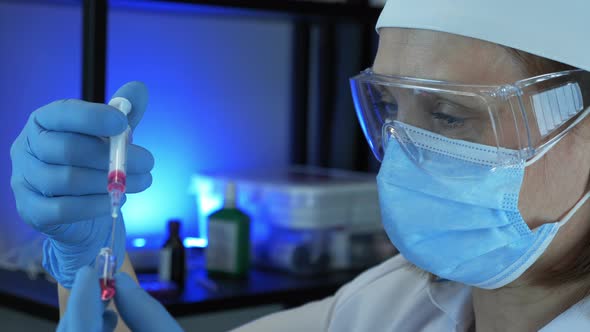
(139, 242)
(209, 190)
(208, 198)
(208, 109)
(194, 242)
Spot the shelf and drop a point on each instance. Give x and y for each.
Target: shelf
(39, 297)
(357, 11)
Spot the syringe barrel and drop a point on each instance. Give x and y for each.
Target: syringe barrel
(118, 162)
(118, 150)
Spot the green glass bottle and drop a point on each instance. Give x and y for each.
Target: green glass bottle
(228, 249)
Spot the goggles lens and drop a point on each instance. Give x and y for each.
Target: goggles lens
(515, 120)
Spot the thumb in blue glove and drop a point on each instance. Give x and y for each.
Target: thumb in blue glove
(85, 311)
(59, 177)
(139, 310)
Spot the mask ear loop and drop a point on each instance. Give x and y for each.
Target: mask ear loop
(573, 210)
(543, 151)
(548, 147)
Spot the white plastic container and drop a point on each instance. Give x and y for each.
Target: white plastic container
(305, 220)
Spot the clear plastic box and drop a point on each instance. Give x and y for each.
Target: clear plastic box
(305, 220)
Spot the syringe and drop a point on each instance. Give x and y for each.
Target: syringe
(106, 261)
(118, 159)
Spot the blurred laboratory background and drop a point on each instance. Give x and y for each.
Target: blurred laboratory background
(250, 108)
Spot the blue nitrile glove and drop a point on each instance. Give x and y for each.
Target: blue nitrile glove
(85, 310)
(139, 310)
(59, 178)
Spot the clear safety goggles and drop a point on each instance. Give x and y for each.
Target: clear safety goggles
(515, 121)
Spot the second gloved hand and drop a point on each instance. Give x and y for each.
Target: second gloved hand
(59, 175)
(139, 310)
(85, 310)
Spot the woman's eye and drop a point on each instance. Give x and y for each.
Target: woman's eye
(390, 108)
(448, 120)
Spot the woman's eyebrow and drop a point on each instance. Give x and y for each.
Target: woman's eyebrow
(386, 93)
(468, 102)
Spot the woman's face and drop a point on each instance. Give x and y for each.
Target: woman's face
(553, 184)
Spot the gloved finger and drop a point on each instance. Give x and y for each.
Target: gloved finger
(62, 148)
(44, 213)
(139, 310)
(78, 116)
(137, 93)
(40, 211)
(85, 231)
(85, 309)
(110, 319)
(57, 180)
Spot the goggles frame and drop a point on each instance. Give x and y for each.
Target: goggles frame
(543, 108)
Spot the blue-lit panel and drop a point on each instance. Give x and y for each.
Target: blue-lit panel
(219, 100)
(40, 61)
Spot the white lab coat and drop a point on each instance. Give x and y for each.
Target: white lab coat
(395, 297)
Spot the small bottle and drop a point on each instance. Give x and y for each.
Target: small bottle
(172, 256)
(228, 249)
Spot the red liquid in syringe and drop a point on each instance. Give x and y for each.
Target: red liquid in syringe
(116, 181)
(107, 289)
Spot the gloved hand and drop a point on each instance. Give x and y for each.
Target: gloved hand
(139, 310)
(85, 311)
(59, 178)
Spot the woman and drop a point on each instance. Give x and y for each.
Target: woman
(483, 182)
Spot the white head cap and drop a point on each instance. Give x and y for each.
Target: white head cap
(557, 30)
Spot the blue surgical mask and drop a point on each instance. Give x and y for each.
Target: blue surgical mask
(465, 229)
